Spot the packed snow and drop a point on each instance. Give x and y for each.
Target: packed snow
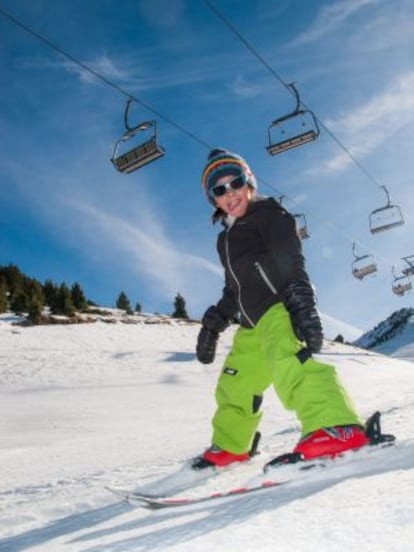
(113, 404)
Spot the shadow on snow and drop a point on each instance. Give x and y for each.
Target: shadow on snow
(210, 517)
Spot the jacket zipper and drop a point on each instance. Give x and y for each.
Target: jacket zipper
(237, 281)
(265, 277)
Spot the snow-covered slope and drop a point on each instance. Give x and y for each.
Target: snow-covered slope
(332, 327)
(84, 406)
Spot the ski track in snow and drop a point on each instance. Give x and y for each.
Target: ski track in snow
(86, 406)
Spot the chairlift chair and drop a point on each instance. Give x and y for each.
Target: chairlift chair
(292, 130)
(302, 226)
(363, 265)
(409, 271)
(142, 153)
(401, 284)
(385, 218)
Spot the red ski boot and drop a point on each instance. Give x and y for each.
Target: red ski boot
(219, 458)
(331, 441)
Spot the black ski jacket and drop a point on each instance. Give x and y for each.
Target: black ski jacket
(261, 253)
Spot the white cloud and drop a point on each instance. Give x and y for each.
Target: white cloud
(365, 128)
(330, 18)
(150, 252)
(246, 88)
(103, 66)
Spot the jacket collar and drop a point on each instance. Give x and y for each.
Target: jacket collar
(229, 221)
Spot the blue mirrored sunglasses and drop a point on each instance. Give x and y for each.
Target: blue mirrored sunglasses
(220, 189)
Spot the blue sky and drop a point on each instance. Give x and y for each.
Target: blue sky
(69, 216)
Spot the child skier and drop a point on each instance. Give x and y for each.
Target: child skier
(266, 284)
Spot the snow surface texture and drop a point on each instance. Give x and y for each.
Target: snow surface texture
(84, 406)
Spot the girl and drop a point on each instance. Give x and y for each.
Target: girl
(267, 286)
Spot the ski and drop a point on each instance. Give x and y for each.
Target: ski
(161, 492)
(154, 503)
(187, 477)
(276, 477)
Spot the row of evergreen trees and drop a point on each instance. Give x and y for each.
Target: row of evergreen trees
(180, 310)
(22, 294)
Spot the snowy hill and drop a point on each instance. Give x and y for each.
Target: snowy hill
(332, 327)
(394, 336)
(88, 405)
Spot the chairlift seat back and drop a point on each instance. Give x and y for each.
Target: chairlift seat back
(303, 233)
(301, 226)
(361, 272)
(291, 131)
(409, 271)
(400, 288)
(138, 156)
(385, 218)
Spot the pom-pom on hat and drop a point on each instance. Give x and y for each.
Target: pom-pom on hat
(221, 163)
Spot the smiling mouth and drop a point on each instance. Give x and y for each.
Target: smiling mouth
(233, 204)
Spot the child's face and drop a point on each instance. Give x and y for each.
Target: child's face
(233, 202)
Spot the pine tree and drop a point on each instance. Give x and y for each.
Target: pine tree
(138, 308)
(35, 310)
(50, 292)
(63, 304)
(179, 307)
(14, 278)
(78, 297)
(3, 295)
(19, 302)
(34, 290)
(123, 303)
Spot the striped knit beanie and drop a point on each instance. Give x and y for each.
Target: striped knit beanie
(221, 163)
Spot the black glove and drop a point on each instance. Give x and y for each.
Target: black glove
(212, 324)
(214, 320)
(300, 301)
(206, 345)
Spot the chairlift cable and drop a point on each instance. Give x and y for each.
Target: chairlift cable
(112, 84)
(253, 50)
(102, 78)
(167, 119)
(291, 90)
(247, 44)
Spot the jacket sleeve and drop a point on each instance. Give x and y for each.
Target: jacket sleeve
(278, 230)
(227, 305)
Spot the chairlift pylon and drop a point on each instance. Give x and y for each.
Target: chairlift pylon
(408, 271)
(401, 284)
(141, 154)
(294, 129)
(363, 265)
(385, 218)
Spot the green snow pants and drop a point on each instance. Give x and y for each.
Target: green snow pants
(269, 354)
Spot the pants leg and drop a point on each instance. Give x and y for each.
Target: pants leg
(239, 391)
(309, 387)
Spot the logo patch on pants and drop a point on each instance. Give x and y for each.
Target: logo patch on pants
(230, 371)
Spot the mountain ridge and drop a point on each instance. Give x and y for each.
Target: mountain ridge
(393, 336)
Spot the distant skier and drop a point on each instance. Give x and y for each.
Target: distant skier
(266, 284)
